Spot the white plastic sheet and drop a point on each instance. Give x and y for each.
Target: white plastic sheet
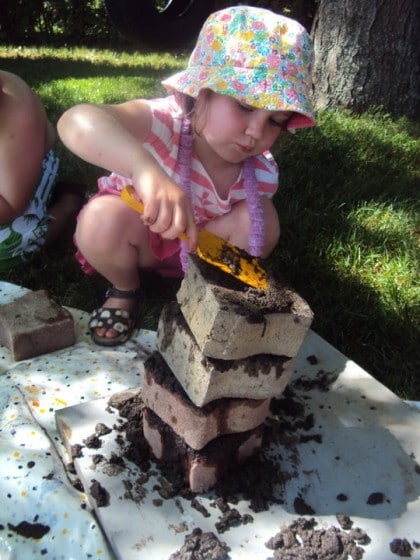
(36, 497)
(369, 443)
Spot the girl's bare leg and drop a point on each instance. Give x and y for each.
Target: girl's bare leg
(114, 240)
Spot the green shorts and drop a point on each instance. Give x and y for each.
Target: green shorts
(22, 239)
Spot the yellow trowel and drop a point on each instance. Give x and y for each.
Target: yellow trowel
(216, 251)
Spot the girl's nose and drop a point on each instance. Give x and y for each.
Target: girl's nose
(255, 126)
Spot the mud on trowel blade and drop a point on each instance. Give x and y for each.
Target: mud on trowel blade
(216, 251)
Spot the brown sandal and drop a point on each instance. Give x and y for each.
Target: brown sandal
(119, 320)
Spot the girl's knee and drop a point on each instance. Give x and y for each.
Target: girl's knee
(100, 222)
(235, 227)
(272, 227)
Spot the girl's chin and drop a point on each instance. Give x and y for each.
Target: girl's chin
(233, 154)
(237, 155)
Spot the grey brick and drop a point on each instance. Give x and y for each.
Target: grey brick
(237, 322)
(206, 379)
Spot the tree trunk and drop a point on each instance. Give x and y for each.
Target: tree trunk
(367, 54)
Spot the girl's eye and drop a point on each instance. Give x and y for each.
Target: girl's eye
(278, 124)
(244, 108)
(281, 120)
(281, 124)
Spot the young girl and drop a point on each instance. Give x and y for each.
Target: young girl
(197, 158)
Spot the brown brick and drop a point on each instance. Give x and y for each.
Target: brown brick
(202, 469)
(34, 324)
(163, 394)
(205, 379)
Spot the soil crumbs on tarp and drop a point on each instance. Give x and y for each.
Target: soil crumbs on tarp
(302, 541)
(299, 541)
(260, 481)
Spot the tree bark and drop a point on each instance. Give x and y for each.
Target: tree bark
(367, 54)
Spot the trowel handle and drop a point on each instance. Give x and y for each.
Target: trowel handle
(127, 196)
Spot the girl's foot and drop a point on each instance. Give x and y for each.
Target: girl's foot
(111, 325)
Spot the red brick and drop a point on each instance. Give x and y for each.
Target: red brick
(204, 468)
(163, 394)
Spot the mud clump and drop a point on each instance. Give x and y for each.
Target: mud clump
(401, 547)
(201, 546)
(375, 498)
(30, 530)
(99, 493)
(302, 541)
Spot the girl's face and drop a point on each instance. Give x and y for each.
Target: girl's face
(235, 131)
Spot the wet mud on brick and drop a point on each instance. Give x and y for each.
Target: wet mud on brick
(277, 297)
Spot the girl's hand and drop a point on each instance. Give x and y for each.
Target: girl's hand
(167, 208)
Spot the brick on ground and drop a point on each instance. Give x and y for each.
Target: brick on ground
(231, 321)
(205, 379)
(163, 394)
(34, 324)
(204, 468)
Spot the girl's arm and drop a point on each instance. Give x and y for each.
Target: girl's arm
(112, 137)
(109, 136)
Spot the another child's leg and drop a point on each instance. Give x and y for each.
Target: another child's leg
(235, 226)
(67, 200)
(114, 241)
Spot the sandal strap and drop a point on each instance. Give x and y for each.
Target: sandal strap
(122, 294)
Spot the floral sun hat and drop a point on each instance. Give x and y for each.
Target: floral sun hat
(261, 58)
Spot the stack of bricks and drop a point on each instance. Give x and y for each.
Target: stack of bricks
(223, 351)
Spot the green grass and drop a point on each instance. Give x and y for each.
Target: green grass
(348, 203)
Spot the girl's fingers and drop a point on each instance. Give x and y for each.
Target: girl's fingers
(148, 221)
(151, 213)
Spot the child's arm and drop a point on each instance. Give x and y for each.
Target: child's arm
(25, 137)
(112, 137)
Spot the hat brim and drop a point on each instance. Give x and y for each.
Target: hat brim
(261, 87)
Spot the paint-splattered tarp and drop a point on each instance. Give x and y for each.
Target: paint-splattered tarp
(364, 445)
(41, 514)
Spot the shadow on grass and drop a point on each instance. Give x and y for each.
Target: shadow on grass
(352, 317)
(328, 175)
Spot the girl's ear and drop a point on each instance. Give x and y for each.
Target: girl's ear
(189, 105)
(186, 102)
(204, 95)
